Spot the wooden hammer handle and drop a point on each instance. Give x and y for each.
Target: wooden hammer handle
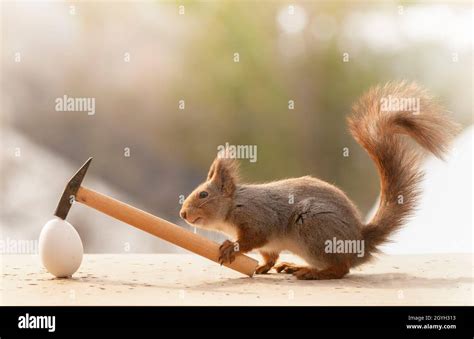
(162, 228)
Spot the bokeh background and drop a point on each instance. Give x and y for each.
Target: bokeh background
(139, 59)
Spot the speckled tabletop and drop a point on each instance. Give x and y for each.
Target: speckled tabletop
(185, 279)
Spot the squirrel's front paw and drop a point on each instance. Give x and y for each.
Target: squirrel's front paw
(227, 252)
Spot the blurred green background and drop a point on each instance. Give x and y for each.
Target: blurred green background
(139, 59)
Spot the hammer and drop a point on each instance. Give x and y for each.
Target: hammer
(144, 221)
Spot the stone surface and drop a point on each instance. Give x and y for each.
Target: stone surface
(186, 279)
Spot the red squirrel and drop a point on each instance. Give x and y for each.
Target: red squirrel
(262, 217)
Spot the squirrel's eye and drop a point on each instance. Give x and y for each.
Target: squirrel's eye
(203, 195)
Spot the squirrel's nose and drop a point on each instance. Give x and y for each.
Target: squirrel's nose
(183, 214)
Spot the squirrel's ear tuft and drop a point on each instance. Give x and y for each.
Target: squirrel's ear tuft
(224, 172)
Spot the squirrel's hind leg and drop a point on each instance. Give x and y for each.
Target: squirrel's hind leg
(318, 224)
(333, 272)
(288, 268)
(269, 260)
(311, 273)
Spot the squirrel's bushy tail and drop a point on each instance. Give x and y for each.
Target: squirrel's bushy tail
(379, 119)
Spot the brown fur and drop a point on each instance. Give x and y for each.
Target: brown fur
(261, 216)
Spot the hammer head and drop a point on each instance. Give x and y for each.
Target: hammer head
(70, 191)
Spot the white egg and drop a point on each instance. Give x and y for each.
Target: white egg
(60, 248)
